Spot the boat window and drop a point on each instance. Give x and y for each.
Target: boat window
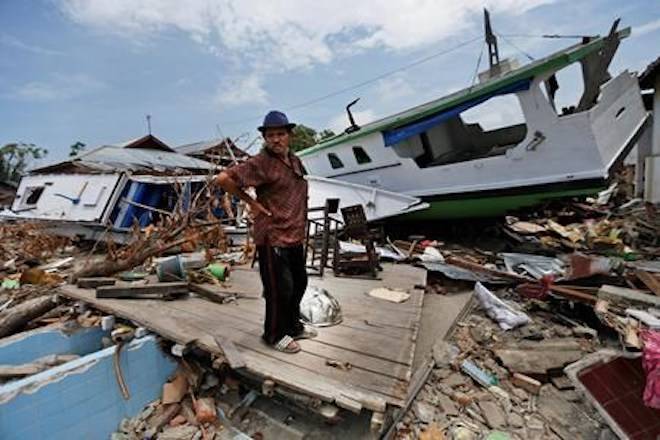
(485, 130)
(335, 162)
(32, 194)
(361, 156)
(570, 89)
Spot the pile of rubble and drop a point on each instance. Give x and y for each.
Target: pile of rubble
(583, 283)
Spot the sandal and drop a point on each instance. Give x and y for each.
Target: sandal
(306, 333)
(287, 345)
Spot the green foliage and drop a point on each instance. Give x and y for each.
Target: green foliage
(76, 149)
(302, 137)
(305, 137)
(15, 157)
(325, 134)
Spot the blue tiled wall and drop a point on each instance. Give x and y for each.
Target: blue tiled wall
(81, 399)
(28, 346)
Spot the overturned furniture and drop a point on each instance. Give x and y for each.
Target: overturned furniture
(356, 228)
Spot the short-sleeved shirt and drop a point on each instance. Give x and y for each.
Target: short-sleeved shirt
(281, 189)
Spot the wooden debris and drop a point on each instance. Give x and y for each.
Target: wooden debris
(623, 295)
(175, 390)
(209, 294)
(649, 281)
(15, 371)
(156, 423)
(230, 351)
(14, 318)
(147, 291)
(93, 283)
(527, 383)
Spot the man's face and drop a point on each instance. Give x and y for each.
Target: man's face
(277, 140)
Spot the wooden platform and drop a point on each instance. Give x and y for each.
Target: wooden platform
(377, 337)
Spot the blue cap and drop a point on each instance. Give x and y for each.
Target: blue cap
(276, 119)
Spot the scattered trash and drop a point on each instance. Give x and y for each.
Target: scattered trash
(219, 271)
(506, 316)
(396, 296)
(319, 308)
(480, 376)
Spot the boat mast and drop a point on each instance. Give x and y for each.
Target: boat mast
(491, 41)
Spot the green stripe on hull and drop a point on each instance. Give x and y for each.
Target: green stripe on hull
(490, 206)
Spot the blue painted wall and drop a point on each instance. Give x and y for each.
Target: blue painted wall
(29, 346)
(81, 399)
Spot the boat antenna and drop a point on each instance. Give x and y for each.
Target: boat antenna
(353, 127)
(491, 41)
(149, 124)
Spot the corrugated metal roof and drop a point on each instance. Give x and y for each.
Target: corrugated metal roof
(141, 158)
(109, 158)
(198, 147)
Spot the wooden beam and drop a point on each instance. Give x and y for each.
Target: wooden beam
(649, 281)
(146, 291)
(92, 283)
(233, 356)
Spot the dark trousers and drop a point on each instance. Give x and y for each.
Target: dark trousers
(284, 278)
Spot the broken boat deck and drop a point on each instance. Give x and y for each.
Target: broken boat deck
(377, 338)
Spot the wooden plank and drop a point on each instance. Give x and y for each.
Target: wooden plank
(167, 322)
(159, 290)
(320, 351)
(230, 351)
(208, 293)
(375, 379)
(91, 283)
(649, 281)
(376, 345)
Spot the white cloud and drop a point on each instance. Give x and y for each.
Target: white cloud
(339, 123)
(292, 34)
(11, 41)
(241, 91)
(646, 28)
(58, 87)
(394, 88)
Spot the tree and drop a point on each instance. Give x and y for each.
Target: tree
(76, 149)
(15, 157)
(302, 137)
(325, 134)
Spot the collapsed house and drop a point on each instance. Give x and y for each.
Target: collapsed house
(109, 188)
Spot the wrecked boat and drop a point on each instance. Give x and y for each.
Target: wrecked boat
(431, 151)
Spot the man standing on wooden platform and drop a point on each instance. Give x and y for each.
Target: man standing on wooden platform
(280, 216)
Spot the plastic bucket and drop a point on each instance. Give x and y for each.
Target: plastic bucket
(219, 271)
(171, 269)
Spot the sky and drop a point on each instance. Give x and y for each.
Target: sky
(91, 70)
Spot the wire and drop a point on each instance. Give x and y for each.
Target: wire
(368, 81)
(531, 58)
(476, 69)
(544, 36)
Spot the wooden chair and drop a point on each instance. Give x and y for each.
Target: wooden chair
(356, 228)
